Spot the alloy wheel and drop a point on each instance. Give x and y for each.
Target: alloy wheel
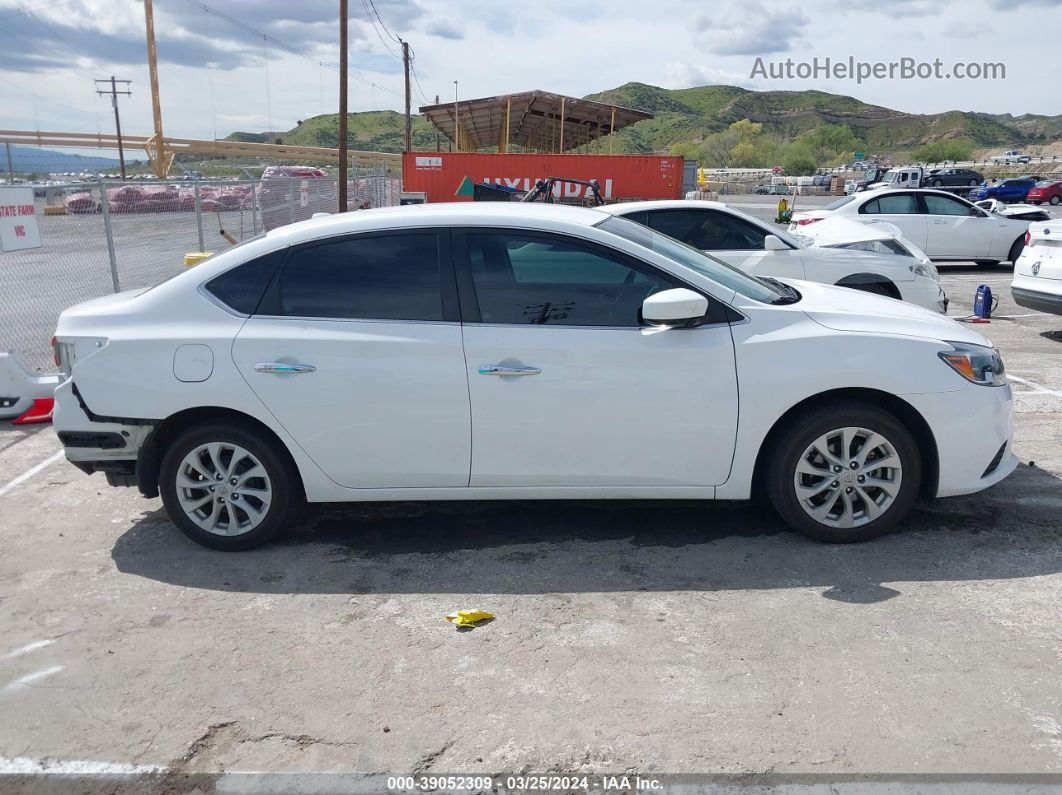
(223, 488)
(848, 477)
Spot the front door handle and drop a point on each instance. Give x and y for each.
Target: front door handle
(500, 369)
(283, 368)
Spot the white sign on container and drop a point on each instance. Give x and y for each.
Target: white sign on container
(18, 220)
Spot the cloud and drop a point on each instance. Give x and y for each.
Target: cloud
(750, 29)
(680, 74)
(896, 8)
(443, 30)
(1009, 5)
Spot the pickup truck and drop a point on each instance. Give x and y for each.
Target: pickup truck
(1013, 156)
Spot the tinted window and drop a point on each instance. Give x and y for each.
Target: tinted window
(554, 280)
(384, 277)
(708, 230)
(242, 287)
(944, 205)
(902, 204)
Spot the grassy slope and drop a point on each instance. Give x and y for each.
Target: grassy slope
(691, 113)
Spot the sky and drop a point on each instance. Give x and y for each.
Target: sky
(216, 77)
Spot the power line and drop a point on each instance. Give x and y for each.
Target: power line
(379, 35)
(382, 25)
(45, 99)
(287, 47)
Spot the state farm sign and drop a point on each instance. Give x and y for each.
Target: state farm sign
(18, 220)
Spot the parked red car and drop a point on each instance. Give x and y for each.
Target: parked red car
(1046, 190)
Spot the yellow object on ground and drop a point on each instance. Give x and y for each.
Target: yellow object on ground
(55, 210)
(466, 619)
(195, 257)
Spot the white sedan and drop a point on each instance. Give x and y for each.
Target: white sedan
(1037, 280)
(946, 227)
(513, 351)
(755, 246)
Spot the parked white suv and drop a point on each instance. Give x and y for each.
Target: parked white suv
(757, 247)
(1037, 280)
(515, 351)
(944, 226)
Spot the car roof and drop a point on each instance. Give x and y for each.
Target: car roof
(440, 214)
(663, 204)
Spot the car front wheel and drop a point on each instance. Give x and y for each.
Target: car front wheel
(226, 487)
(845, 473)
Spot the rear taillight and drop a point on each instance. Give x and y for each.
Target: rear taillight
(806, 221)
(1028, 237)
(55, 352)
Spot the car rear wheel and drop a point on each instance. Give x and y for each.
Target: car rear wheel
(972, 183)
(226, 487)
(937, 183)
(843, 473)
(1056, 200)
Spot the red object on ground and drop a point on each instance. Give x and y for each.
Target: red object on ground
(40, 411)
(449, 176)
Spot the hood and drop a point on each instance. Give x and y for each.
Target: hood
(842, 309)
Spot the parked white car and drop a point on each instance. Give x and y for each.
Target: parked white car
(944, 226)
(1012, 156)
(1037, 280)
(516, 351)
(757, 247)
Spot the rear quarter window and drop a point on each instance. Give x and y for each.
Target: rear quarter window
(241, 288)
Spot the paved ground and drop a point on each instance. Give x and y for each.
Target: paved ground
(656, 638)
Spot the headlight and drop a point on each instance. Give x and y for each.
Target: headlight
(925, 270)
(975, 363)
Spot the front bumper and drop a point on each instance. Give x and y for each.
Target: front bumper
(925, 293)
(970, 427)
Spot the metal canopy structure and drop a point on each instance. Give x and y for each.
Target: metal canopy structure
(534, 121)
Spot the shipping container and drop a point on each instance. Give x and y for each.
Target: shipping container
(452, 176)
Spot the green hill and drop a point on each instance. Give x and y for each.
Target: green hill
(689, 114)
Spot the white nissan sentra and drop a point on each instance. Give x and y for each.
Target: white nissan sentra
(517, 351)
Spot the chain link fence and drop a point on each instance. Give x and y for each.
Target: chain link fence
(105, 237)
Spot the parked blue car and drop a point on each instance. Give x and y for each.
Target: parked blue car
(1009, 190)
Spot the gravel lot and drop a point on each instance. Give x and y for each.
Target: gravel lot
(654, 638)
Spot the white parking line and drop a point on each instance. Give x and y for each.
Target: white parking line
(37, 644)
(24, 766)
(1037, 388)
(30, 473)
(36, 676)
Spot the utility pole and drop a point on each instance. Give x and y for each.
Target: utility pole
(342, 106)
(436, 129)
(10, 165)
(409, 118)
(457, 121)
(157, 148)
(114, 92)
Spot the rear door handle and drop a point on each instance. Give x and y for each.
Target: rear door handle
(499, 369)
(283, 368)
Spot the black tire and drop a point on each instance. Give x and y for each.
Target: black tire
(1037, 203)
(1015, 250)
(937, 183)
(972, 183)
(282, 476)
(877, 288)
(1055, 200)
(802, 431)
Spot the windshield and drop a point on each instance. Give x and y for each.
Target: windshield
(891, 176)
(694, 259)
(837, 204)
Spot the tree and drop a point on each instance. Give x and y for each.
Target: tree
(686, 149)
(829, 141)
(939, 151)
(798, 161)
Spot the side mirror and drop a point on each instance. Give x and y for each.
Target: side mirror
(774, 243)
(674, 307)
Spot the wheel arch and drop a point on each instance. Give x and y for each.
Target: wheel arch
(149, 459)
(857, 280)
(898, 407)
